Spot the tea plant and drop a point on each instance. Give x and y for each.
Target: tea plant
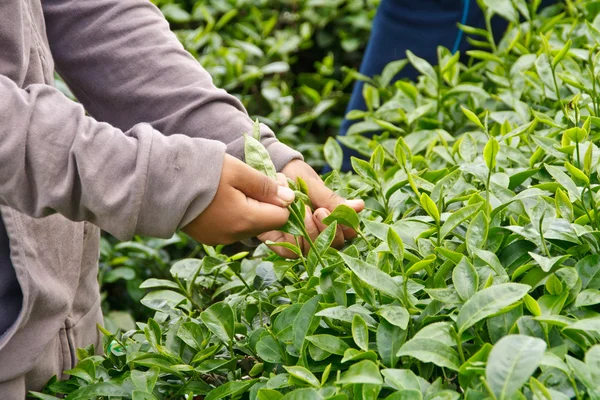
(476, 272)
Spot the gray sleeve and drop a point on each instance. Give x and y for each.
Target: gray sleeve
(57, 159)
(124, 64)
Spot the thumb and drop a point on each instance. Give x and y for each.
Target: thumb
(256, 185)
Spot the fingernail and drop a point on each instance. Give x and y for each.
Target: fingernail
(286, 194)
(355, 203)
(321, 213)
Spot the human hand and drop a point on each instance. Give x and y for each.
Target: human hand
(247, 203)
(324, 200)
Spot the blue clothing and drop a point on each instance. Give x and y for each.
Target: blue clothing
(419, 26)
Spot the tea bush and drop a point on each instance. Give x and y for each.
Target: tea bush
(476, 270)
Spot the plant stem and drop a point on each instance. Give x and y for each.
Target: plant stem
(487, 194)
(488, 26)
(461, 354)
(362, 236)
(308, 239)
(542, 237)
(487, 387)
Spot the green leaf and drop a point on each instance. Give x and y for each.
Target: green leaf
(329, 343)
(257, 156)
(430, 207)
(564, 180)
(155, 283)
(465, 279)
(400, 151)
(303, 394)
(303, 374)
(364, 169)
(564, 206)
(95, 390)
(576, 134)
(587, 324)
(230, 389)
(344, 215)
(162, 300)
(489, 301)
(371, 96)
(220, 320)
(389, 339)
(407, 394)
(472, 117)
(333, 153)
(390, 71)
(395, 244)
(588, 297)
(477, 232)
(561, 54)
(360, 332)
(268, 394)
(269, 350)
(322, 243)
(306, 322)
(365, 372)
(490, 151)
(400, 379)
(373, 276)
(588, 271)
(511, 362)
(576, 173)
(395, 315)
(421, 65)
(458, 217)
(429, 350)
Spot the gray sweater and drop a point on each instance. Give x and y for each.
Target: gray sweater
(145, 159)
(10, 291)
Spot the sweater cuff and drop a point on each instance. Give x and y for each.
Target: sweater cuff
(182, 179)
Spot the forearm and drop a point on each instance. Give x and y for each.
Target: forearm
(125, 65)
(56, 159)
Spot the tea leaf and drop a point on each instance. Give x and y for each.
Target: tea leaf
(490, 151)
(428, 350)
(373, 276)
(333, 153)
(472, 117)
(256, 156)
(303, 375)
(360, 332)
(465, 279)
(219, 319)
(430, 207)
(511, 362)
(344, 215)
(329, 343)
(365, 372)
(488, 302)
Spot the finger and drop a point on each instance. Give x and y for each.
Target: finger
(311, 229)
(257, 218)
(318, 215)
(282, 180)
(258, 186)
(279, 237)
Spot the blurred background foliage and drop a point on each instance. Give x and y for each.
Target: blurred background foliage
(288, 61)
(291, 62)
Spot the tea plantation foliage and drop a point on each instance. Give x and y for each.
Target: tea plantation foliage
(476, 271)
